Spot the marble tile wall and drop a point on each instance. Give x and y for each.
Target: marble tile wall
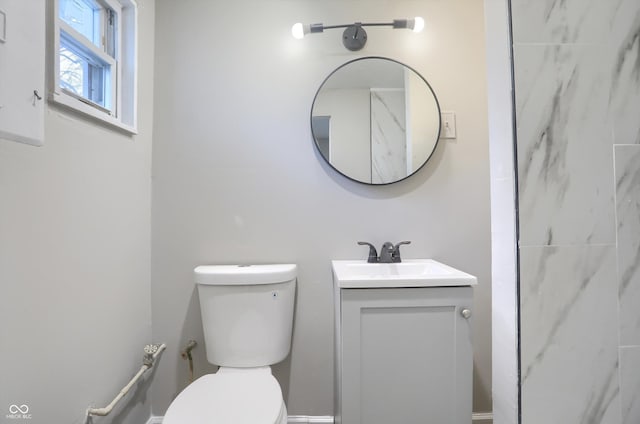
(569, 333)
(627, 159)
(577, 85)
(388, 136)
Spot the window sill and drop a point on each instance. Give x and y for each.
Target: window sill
(75, 105)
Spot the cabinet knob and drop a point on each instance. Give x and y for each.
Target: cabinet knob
(466, 313)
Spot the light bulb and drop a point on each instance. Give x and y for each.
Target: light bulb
(297, 30)
(418, 25)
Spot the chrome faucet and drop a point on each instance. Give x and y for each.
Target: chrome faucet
(388, 253)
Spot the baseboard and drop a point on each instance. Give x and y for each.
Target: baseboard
(478, 417)
(482, 417)
(306, 419)
(291, 419)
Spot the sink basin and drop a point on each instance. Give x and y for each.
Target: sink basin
(408, 273)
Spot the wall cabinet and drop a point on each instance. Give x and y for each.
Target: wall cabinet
(22, 68)
(404, 355)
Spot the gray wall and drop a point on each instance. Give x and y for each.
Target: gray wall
(577, 101)
(237, 179)
(74, 261)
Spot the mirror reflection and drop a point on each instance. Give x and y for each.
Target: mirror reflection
(375, 120)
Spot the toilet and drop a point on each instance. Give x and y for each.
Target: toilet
(247, 317)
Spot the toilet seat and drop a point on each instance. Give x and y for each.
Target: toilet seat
(230, 396)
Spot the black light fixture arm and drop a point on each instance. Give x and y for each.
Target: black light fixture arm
(354, 36)
(391, 24)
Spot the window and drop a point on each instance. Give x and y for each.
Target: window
(93, 59)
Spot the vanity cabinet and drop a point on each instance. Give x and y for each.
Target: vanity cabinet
(404, 355)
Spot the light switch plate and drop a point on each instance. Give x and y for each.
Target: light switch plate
(3, 27)
(448, 125)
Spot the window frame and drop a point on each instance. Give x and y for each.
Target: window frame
(122, 84)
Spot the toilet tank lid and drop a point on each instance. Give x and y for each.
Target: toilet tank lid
(224, 275)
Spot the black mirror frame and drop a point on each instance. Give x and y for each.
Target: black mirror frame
(435, 145)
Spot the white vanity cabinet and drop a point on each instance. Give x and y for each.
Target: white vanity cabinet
(404, 355)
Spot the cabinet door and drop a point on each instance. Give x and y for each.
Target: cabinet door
(22, 55)
(406, 356)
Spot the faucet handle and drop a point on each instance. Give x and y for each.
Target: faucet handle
(395, 255)
(373, 253)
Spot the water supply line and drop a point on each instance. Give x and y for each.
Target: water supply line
(186, 354)
(151, 352)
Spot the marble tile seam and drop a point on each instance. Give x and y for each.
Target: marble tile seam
(568, 245)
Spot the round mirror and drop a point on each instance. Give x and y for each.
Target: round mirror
(375, 120)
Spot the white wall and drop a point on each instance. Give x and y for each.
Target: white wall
(236, 177)
(350, 129)
(74, 262)
(421, 131)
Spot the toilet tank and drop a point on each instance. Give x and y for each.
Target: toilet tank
(247, 312)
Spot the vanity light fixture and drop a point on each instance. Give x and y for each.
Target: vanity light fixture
(354, 36)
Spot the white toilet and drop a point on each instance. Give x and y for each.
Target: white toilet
(247, 316)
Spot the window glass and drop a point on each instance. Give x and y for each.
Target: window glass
(81, 75)
(110, 33)
(83, 16)
(71, 71)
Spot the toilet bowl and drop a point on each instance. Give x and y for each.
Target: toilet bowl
(247, 318)
(230, 396)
